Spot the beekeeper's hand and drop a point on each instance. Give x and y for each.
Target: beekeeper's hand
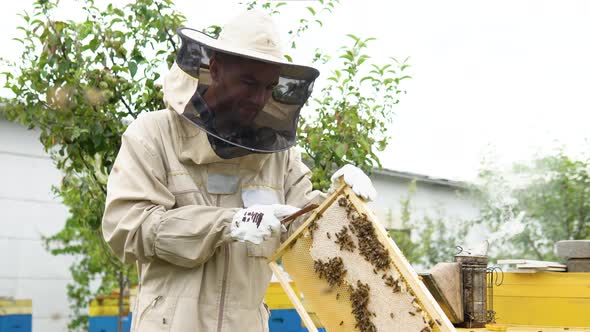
(357, 180)
(259, 222)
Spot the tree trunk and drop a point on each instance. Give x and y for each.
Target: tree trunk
(121, 296)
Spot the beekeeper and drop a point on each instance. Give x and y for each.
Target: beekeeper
(197, 190)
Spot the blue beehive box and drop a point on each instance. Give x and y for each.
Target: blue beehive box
(16, 315)
(108, 323)
(16, 323)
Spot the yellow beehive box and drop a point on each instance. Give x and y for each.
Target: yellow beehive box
(276, 298)
(543, 299)
(16, 307)
(108, 305)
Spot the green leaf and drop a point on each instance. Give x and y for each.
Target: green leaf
(311, 10)
(346, 57)
(94, 44)
(288, 57)
(132, 68)
(340, 150)
(355, 38)
(138, 58)
(118, 12)
(367, 78)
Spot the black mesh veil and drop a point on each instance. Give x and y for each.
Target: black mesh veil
(245, 108)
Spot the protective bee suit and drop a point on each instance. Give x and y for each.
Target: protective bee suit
(187, 181)
(170, 204)
(164, 210)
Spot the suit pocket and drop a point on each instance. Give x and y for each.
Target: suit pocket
(264, 250)
(193, 197)
(185, 189)
(257, 268)
(155, 312)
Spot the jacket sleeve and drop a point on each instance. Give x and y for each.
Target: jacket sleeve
(139, 222)
(298, 188)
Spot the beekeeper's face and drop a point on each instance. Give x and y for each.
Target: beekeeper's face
(241, 87)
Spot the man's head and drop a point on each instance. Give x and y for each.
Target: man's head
(241, 90)
(240, 86)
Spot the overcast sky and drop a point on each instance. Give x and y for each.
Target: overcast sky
(506, 76)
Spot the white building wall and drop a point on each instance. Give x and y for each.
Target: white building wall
(432, 198)
(28, 211)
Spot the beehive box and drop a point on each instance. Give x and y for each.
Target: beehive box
(352, 275)
(543, 299)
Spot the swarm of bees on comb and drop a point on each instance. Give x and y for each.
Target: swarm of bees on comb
(348, 253)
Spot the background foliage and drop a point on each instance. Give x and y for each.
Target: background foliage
(534, 205)
(352, 112)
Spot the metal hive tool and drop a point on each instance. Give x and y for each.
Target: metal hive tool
(352, 275)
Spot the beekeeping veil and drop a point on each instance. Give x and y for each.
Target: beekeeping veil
(238, 87)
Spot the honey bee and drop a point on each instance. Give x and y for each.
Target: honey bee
(342, 201)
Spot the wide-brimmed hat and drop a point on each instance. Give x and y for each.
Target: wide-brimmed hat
(252, 35)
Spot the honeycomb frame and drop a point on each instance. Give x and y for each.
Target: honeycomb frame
(331, 292)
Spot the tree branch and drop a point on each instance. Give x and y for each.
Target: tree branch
(129, 111)
(532, 244)
(169, 37)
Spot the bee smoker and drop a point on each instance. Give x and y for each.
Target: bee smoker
(473, 271)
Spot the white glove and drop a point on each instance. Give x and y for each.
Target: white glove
(357, 180)
(259, 222)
